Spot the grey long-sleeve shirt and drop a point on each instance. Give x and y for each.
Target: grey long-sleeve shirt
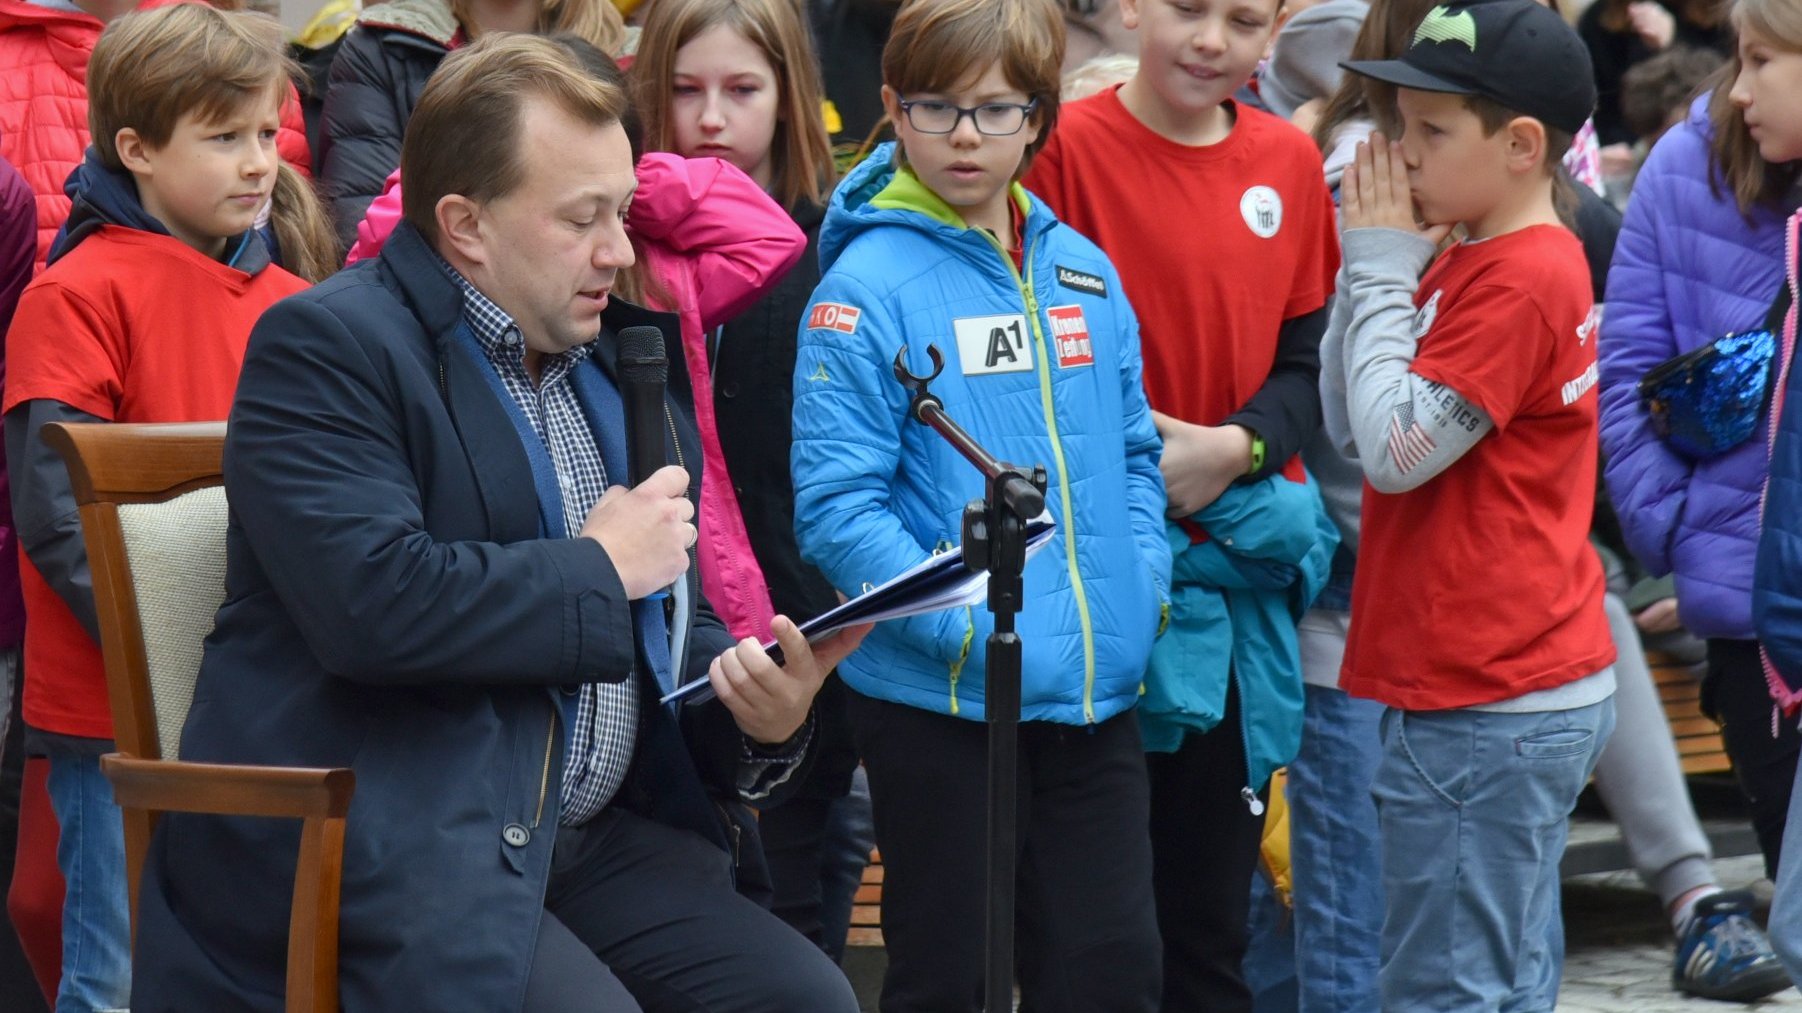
(1401, 427)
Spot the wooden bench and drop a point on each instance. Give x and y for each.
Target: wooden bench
(1699, 750)
(866, 914)
(1699, 747)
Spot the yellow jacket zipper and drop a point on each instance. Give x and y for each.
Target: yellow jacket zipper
(1024, 283)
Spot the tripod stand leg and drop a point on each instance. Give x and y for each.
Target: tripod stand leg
(1003, 705)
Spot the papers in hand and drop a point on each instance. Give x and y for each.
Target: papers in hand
(938, 583)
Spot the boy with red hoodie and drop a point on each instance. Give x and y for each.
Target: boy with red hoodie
(44, 51)
(185, 107)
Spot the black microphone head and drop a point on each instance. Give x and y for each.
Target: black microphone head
(641, 358)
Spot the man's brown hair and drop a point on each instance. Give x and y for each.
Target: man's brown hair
(464, 134)
(151, 68)
(939, 45)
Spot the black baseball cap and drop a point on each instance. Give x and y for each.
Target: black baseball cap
(1516, 53)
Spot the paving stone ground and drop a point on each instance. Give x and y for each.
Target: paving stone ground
(1618, 951)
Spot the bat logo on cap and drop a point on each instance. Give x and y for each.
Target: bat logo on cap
(1441, 25)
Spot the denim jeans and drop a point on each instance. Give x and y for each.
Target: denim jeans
(1335, 854)
(1475, 810)
(96, 913)
(1785, 929)
(1270, 955)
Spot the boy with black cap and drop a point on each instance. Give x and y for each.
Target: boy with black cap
(1468, 396)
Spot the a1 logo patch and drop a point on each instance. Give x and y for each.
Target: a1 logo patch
(834, 316)
(1070, 337)
(993, 344)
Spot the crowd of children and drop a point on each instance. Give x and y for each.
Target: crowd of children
(1301, 307)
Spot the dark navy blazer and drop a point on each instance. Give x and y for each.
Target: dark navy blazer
(391, 608)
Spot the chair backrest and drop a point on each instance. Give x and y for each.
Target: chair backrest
(153, 514)
(175, 555)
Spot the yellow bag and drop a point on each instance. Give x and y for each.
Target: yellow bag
(1273, 857)
(332, 21)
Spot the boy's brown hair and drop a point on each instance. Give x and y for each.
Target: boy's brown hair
(1493, 116)
(151, 68)
(464, 134)
(1656, 94)
(938, 45)
(800, 153)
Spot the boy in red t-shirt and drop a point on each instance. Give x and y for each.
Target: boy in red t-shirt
(1467, 395)
(1220, 222)
(142, 316)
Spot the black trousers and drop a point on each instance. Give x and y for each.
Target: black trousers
(1087, 937)
(1734, 693)
(1204, 843)
(640, 916)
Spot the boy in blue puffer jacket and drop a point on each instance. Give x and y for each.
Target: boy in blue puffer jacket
(933, 242)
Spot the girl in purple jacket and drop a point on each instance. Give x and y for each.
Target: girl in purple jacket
(1700, 256)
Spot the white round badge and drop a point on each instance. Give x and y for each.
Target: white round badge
(1262, 210)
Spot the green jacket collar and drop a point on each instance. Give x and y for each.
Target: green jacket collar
(905, 192)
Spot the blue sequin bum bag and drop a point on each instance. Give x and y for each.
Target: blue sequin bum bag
(1705, 402)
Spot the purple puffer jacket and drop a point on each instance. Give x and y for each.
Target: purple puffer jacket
(1688, 268)
(18, 252)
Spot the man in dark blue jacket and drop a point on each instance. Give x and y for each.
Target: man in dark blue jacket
(436, 578)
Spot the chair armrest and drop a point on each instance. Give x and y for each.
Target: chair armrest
(229, 789)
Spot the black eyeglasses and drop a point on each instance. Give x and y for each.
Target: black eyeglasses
(994, 119)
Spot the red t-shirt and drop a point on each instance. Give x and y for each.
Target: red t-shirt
(1216, 245)
(1480, 585)
(130, 327)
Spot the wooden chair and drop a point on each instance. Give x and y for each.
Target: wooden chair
(153, 515)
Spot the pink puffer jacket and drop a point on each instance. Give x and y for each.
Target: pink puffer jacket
(715, 242)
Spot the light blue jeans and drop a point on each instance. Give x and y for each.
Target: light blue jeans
(1785, 929)
(1475, 810)
(1335, 854)
(90, 850)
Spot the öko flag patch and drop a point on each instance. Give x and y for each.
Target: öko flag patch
(833, 316)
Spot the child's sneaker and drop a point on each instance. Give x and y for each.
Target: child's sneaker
(1723, 954)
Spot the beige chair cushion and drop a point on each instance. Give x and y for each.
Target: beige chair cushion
(176, 550)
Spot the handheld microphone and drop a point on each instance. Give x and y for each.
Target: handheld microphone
(643, 373)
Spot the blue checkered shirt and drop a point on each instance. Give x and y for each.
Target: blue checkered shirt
(606, 727)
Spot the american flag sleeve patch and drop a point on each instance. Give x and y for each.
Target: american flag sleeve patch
(1409, 443)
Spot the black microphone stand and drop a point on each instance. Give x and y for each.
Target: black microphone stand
(994, 540)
